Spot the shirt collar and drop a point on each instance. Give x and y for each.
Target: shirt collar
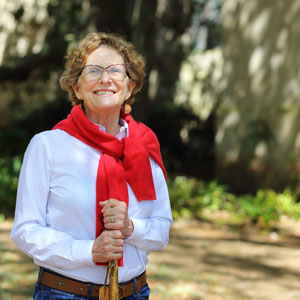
(123, 130)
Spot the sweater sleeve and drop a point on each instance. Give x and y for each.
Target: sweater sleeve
(30, 231)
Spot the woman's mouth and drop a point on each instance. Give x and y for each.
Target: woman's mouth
(104, 92)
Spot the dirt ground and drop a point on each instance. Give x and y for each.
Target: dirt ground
(201, 261)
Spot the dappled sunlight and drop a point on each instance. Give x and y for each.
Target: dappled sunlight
(201, 261)
(256, 28)
(207, 262)
(200, 79)
(153, 84)
(33, 15)
(224, 101)
(261, 86)
(17, 271)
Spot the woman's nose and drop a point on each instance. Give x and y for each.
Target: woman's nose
(105, 77)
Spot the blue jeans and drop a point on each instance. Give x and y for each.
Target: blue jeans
(42, 292)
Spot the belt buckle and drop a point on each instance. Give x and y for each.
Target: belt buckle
(122, 290)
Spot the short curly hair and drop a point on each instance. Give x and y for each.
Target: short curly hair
(77, 58)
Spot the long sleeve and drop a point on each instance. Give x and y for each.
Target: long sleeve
(152, 232)
(31, 232)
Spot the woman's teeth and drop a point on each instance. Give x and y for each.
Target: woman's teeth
(104, 92)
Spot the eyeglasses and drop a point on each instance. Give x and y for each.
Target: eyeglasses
(95, 72)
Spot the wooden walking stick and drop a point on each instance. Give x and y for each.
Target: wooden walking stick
(113, 280)
(110, 292)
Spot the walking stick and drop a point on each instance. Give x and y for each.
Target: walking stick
(113, 280)
(110, 292)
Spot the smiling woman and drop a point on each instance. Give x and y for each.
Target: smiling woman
(104, 89)
(77, 59)
(77, 212)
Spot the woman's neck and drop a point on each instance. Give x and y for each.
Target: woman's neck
(109, 121)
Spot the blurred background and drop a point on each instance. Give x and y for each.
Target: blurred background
(221, 92)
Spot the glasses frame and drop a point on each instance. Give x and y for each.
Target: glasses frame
(105, 69)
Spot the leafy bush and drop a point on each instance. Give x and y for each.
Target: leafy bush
(262, 208)
(191, 198)
(9, 172)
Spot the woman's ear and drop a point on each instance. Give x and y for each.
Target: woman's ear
(76, 90)
(130, 86)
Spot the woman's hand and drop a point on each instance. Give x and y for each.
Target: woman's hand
(108, 246)
(115, 216)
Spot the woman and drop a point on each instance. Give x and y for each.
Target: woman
(93, 189)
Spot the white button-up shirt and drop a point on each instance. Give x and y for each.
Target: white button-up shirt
(55, 218)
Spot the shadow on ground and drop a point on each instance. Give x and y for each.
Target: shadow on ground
(201, 261)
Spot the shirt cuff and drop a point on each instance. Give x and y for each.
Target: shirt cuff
(82, 251)
(138, 229)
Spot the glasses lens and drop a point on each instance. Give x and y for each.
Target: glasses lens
(92, 72)
(116, 72)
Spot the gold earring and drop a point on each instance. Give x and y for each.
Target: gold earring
(127, 109)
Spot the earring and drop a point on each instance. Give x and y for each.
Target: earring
(127, 109)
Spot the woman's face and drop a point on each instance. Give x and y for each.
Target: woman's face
(103, 94)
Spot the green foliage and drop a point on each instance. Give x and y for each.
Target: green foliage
(263, 208)
(191, 198)
(9, 172)
(183, 193)
(266, 207)
(288, 204)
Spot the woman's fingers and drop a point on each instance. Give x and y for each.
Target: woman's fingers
(108, 246)
(115, 216)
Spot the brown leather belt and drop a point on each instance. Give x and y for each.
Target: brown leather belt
(81, 288)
